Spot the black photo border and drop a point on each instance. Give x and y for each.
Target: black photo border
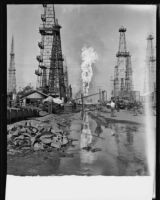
(3, 78)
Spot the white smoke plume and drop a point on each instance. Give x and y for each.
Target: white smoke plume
(89, 57)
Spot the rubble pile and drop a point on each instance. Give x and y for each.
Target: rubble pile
(36, 135)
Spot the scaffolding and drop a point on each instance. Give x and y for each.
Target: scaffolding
(50, 76)
(12, 71)
(123, 70)
(150, 70)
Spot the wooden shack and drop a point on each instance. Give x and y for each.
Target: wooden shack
(33, 98)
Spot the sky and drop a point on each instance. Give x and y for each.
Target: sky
(94, 26)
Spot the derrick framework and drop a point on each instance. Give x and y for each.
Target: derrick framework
(122, 83)
(12, 71)
(50, 73)
(150, 70)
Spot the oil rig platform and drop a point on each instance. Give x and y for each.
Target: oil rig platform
(52, 77)
(122, 82)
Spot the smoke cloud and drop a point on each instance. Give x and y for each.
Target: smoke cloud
(89, 57)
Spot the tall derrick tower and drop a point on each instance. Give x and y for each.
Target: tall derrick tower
(123, 69)
(12, 71)
(66, 81)
(150, 70)
(50, 70)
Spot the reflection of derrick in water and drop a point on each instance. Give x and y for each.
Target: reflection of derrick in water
(130, 137)
(121, 161)
(98, 129)
(96, 136)
(90, 139)
(128, 157)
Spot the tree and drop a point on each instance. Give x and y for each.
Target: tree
(25, 90)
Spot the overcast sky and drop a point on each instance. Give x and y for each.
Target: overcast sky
(82, 25)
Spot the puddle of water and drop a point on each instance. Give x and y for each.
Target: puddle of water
(115, 149)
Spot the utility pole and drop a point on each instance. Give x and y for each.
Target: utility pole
(112, 80)
(106, 96)
(103, 97)
(100, 96)
(82, 100)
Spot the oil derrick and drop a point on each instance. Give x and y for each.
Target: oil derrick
(123, 71)
(56, 75)
(50, 70)
(150, 71)
(12, 71)
(66, 82)
(70, 92)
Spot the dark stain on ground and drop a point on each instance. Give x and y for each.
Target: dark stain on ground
(35, 163)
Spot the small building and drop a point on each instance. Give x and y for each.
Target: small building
(33, 97)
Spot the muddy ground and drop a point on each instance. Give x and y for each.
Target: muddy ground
(76, 144)
(29, 160)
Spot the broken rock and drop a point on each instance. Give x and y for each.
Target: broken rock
(64, 141)
(56, 145)
(21, 137)
(38, 146)
(46, 140)
(15, 133)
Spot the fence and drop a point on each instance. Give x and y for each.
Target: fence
(16, 114)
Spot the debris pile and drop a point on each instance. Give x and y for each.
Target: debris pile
(35, 135)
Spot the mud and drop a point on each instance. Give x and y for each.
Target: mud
(97, 146)
(29, 159)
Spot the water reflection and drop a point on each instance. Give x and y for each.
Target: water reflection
(98, 129)
(86, 155)
(110, 148)
(129, 159)
(130, 137)
(86, 135)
